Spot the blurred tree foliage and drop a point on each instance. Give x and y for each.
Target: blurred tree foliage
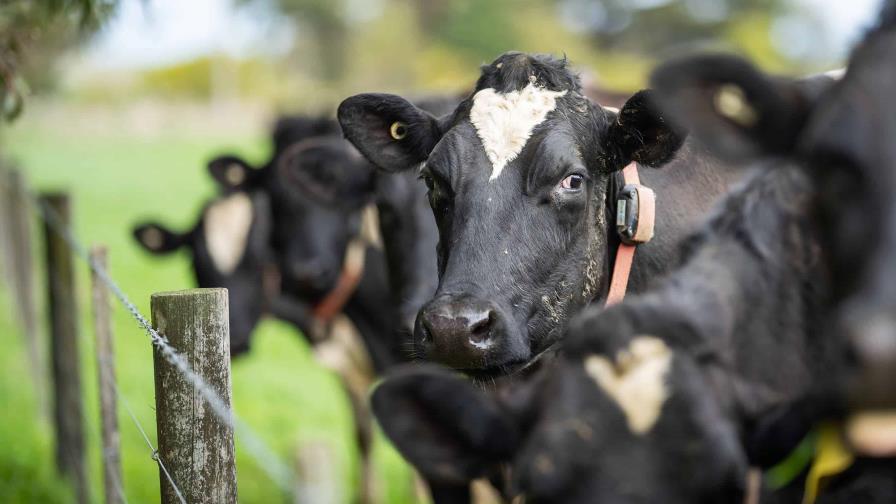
(327, 22)
(619, 35)
(655, 25)
(32, 32)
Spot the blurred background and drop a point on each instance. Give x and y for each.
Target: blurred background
(123, 102)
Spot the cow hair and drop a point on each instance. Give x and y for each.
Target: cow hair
(514, 71)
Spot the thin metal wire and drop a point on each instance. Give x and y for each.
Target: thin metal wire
(267, 461)
(155, 453)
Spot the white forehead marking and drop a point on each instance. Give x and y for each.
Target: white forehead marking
(636, 381)
(836, 74)
(226, 229)
(504, 122)
(615, 110)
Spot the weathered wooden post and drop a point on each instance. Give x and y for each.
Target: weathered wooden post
(21, 273)
(67, 409)
(105, 360)
(195, 445)
(5, 240)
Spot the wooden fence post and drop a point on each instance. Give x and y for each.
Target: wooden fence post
(64, 348)
(113, 487)
(194, 444)
(21, 272)
(5, 240)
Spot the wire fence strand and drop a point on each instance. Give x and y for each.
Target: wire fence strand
(276, 470)
(155, 453)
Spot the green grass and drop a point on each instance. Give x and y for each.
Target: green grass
(117, 179)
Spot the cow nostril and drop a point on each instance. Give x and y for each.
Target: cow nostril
(480, 330)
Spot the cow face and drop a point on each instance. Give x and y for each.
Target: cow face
(229, 246)
(317, 188)
(841, 136)
(636, 425)
(517, 177)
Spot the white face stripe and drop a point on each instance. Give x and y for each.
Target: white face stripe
(504, 122)
(226, 229)
(836, 74)
(636, 381)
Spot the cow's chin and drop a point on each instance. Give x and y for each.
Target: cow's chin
(499, 376)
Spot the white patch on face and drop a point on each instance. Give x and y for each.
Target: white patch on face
(614, 110)
(836, 74)
(636, 381)
(226, 229)
(504, 122)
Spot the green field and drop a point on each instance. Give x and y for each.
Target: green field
(117, 179)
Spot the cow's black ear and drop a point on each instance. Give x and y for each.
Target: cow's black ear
(157, 239)
(732, 107)
(449, 430)
(388, 130)
(230, 172)
(641, 133)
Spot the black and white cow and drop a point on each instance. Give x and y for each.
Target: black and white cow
(846, 147)
(522, 179)
(229, 248)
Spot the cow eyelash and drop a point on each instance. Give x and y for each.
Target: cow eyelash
(427, 179)
(434, 183)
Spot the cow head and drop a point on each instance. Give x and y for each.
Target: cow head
(517, 178)
(229, 246)
(842, 137)
(633, 424)
(317, 187)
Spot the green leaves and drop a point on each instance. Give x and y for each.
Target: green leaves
(32, 26)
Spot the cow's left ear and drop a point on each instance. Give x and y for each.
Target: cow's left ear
(734, 108)
(230, 172)
(449, 430)
(641, 133)
(157, 239)
(391, 132)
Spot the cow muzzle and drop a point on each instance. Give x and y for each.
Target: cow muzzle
(463, 332)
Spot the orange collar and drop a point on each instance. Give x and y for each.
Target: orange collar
(645, 206)
(352, 270)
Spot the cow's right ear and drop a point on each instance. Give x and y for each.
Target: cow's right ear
(230, 172)
(449, 430)
(731, 106)
(157, 239)
(389, 131)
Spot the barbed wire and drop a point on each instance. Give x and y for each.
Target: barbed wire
(155, 453)
(276, 470)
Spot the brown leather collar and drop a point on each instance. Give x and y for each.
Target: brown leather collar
(352, 270)
(625, 254)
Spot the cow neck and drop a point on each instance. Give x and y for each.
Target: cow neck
(333, 303)
(349, 278)
(624, 253)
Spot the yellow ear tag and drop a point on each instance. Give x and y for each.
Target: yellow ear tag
(234, 174)
(731, 102)
(832, 457)
(399, 130)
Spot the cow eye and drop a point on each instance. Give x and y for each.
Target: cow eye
(572, 182)
(427, 179)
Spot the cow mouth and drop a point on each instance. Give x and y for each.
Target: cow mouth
(514, 370)
(492, 373)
